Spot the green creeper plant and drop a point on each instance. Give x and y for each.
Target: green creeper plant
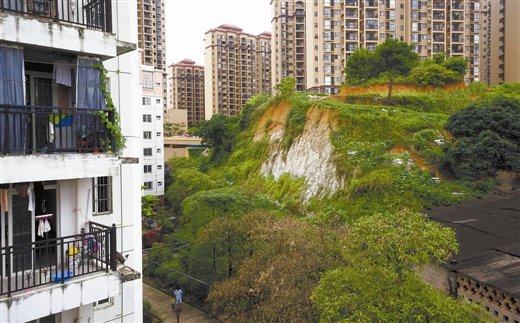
(110, 117)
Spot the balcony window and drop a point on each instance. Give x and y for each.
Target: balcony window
(51, 107)
(101, 195)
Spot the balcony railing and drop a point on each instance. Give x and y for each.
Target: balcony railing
(94, 14)
(52, 261)
(32, 129)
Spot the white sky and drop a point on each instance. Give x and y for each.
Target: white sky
(188, 20)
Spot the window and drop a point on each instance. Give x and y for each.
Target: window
(159, 134)
(147, 79)
(159, 166)
(147, 168)
(105, 302)
(101, 195)
(158, 117)
(158, 101)
(147, 100)
(147, 151)
(159, 184)
(159, 150)
(147, 118)
(147, 134)
(148, 185)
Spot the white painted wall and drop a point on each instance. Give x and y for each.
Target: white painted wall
(58, 298)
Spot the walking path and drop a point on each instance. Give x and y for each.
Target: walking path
(161, 307)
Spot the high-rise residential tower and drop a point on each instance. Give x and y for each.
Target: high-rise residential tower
(312, 39)
(502, 48)
(236, 68)
(186, 90)
(151, 33)
(151, 108)
(69, 191)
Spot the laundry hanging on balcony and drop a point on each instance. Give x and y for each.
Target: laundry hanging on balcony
(43, 224)
(62, 73)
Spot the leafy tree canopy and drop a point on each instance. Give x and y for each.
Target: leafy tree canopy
(380, 283)
(430, 73)
(219, 133)
(361, 66)
(395, 58)
(286, 86)
(487, 139)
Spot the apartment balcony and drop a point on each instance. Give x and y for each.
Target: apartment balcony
(439, 5)
(57, 23)
(93, 14)
(50, 130)
(351, 3)
(53, 275)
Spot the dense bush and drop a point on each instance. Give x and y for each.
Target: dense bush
(487, 139)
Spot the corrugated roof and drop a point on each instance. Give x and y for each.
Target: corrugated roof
(488, 231)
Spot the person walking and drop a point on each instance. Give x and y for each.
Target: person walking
(178, 293)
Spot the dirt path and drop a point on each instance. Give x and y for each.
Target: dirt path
(161, 307)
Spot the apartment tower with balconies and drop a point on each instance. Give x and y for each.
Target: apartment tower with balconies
(325, 33)
(502, 56)
(151, 35)
(236, 68)
(69, 162)
(186, 90)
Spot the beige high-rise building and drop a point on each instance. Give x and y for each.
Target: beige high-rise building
(186, 90)
(502, 50)
(312, 39)
(151, 37)
(237, 67)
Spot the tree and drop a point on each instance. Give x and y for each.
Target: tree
(274, 284)
(395, 58)
(458, 65)
(219, 133)
(286, 87)
(361, 66)
(186, 182)
(149, 204)
(487, 139)
(430, 73)
(380, 284)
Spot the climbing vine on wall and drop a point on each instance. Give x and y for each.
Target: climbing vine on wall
(110, 117)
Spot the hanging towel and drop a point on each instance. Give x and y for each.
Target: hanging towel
(4, 202)
(41, 228)
(62, 73)
(46, 226)
(30, 194)
(51, 132)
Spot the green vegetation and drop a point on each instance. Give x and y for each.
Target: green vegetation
(487, 137)
(110, 117)
(286, 86)
(259, 253)
(395, 62)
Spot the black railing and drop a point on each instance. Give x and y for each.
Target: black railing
(56, 260)
(95, 14)
(32, 129)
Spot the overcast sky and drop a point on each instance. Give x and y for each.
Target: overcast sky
(188, 20)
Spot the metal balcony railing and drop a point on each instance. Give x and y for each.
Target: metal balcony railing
(94, 14)
(56, 260)
(33, 129)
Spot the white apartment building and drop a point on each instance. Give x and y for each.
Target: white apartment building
(152, 131)
(69, 198)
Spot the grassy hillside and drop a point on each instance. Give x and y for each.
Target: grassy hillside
(385, 152)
